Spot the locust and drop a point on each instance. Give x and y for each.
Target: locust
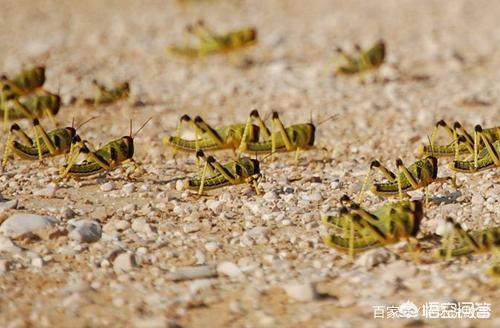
(44, 144)
(209, 138)
(418, 175)
(296, 137)
(25, 82)
(215, 175)
(363, 61)
(485, 159)
(462, 142)
(103, 95)
(210, 42)
(34, 105)
(458, 242)
(356, 229)
(108, 157)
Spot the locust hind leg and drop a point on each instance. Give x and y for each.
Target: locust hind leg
(492, 152)
(403, 170)
(208, 166)
(379, 166)
(209, 131)
(41, 133)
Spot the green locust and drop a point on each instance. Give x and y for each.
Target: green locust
(364, 61)
(418, 175)
(209, 138)
(25, 82)
(103, 95)
(356, 229)
(34, 105)
(486, 158)
(296, 137)
(108, 157)
(215, 175)
(458, 242)
(210, 42)
(44, 144)
(462, 143)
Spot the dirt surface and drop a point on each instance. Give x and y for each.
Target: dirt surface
(443, 63)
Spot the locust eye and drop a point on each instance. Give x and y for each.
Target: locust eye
(478, 128)
(375, 163)
(128, 140)
(72, 131)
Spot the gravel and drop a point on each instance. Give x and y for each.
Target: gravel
(168, 257)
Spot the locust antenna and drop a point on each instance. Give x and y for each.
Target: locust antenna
(311, 116)
(431, 146)
(136, 132)
(332, 117)
(85, 122)
(73, 122)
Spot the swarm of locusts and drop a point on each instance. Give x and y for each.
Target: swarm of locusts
(353, 229)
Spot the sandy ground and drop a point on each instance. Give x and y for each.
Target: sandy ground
(446, 52)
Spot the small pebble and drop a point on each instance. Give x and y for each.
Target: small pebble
(211, 246)
(124, 262)
(301, 292)
(108, 186)
(86, 231)
(193, 272)
(229, 269)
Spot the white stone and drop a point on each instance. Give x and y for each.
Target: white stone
(179, 185)
(86, 231)
(108, 186)
(312, 197)
(301, 292)
(211, 246)
(128, 188)
(214, 205)
(141, 226)
(258, 232)
(229, 269)
(193, 272)
(373, 258)
(124, 262)
(49, 191)
(191, 227)
(21, 223)
(153, 322)
(37, 262)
